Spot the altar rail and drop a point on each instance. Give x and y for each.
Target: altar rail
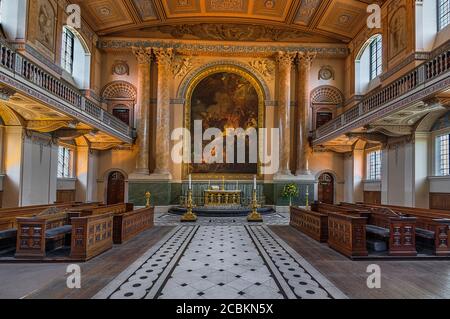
(245, 201)
(22, 69)
(422, 79)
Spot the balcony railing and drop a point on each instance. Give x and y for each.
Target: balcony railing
(426, 73)
(22, 67)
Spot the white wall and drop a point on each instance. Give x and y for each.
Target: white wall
(39, 170)
(12, 166)
(13, 19)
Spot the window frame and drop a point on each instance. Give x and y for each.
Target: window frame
(443, 15)
(374, 165)
(67, 54)
(375, 57)
(65, 162)
(441, 153)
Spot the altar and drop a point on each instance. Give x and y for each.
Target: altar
(222, 198)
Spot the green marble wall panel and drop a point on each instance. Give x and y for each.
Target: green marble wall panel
(161, 193)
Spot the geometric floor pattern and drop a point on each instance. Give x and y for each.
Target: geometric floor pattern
(221, 262)
(279, 219)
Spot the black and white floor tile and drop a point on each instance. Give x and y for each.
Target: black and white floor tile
(221, 262)
(165, 219)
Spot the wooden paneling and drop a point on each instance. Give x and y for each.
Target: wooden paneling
(313, 224)
(91, 236)
(65, 196)
(130, 224)
(440, 201)
(347, 234)
(372, 198)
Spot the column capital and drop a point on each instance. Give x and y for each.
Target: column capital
(285, 59)
(164, 57)
(143, 55)
(306, 58)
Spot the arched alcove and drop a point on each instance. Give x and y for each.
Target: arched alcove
(225, 96)
(325, 100)
(120, 97)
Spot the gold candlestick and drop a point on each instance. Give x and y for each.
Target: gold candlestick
(189, 217)
(147, 199)
(255, 217)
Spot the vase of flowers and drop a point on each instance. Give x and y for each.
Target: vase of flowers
(290, 191)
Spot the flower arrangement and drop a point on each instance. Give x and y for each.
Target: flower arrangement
(290, 191)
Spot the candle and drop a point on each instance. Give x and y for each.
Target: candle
(237, 185)
(190, 182)
(254, 182)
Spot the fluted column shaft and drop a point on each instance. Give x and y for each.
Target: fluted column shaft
(164, 59)
(303, 146)
(143, 56)
(284, 60)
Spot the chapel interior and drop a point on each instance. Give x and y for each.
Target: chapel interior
(104, 105)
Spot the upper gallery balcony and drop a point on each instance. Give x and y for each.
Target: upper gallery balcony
(428, 80)
(31, 81)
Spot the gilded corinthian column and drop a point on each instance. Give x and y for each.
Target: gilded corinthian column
(164, 58)
(284, 60)
(304, 62)
(143, 56)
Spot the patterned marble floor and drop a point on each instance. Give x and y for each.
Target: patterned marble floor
(220, 262)
(279, 219)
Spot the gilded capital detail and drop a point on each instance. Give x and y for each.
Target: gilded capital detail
(143, 55)
(306, 58)
(285, 59)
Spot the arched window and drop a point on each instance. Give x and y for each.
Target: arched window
(369, 64)
(376, 56)
(75, 57)
(68, 43)
(443, 14)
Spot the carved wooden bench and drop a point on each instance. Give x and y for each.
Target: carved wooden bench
(347, 234)
(313, 224)
(129, 224)
(91, 236)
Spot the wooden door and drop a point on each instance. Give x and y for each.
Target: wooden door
(122, 114)
(116, 188)
(326, 189)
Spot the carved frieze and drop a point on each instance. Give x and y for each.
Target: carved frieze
(265, 67)
(181, 65)
(143, 55)
(232, 32)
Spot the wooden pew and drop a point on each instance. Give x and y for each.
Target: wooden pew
(347, 234)
(397, 230)
(129, 224)
(8, 215)
(33, 233)
(313, 224)
(432, 226)
(90, 211)
(91, 236)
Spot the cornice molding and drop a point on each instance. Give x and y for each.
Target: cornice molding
(208, 48)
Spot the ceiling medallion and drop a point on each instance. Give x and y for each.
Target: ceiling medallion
(104, 11)
(120, 68)
(269, 4)
(326, 73)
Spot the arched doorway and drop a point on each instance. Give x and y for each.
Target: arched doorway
(116, 188)
(326, 188)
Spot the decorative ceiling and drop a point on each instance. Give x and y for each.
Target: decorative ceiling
(334, 21)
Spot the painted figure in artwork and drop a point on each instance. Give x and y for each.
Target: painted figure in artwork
(225, 100)
(46, 24)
